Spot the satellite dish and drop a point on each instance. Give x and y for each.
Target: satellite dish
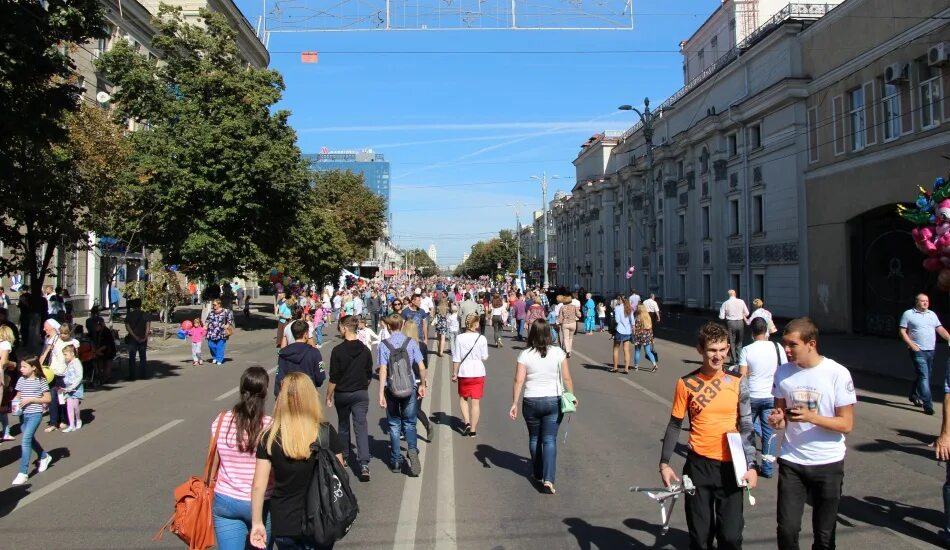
(103, 97)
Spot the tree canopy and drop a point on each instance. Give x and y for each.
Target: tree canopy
(421, 261)
(486, 255)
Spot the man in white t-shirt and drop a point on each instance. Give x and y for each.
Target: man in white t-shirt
(814, 403)
(757, 363)
(653, 308)
(634, 299)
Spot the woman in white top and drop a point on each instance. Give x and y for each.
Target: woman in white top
(759, 310)
(468, 369)
(498, 308)
(540, 371)
(623, 333)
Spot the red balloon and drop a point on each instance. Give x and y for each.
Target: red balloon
(186, 325)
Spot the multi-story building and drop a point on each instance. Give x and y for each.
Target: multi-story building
(878, 126)
(433, 253)
(371, 165)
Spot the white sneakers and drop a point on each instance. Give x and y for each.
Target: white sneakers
(21, 479)
(44, 463)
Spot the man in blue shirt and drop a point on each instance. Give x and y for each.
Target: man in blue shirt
(918, 329)
(401, 412)
(416, 313)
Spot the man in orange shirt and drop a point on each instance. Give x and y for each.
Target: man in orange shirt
(717, 403)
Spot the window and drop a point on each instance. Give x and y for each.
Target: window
(702, 63)
(714, 44)
(755, 136)
(707, 291)
(659, 231)
(858, 133)
(102, 46)
(683, 287)
(705, 222)
(733, 217)
(682, 228)
(891, 110)
(929, 78)
(813, 134)
(680, 173)
(758, 286)
(733, 144)
(735, 281)
(758, 214)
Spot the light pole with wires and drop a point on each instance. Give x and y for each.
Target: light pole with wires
(543, 178)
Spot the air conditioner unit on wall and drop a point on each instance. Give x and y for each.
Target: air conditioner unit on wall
(938, 54)
(896, 72)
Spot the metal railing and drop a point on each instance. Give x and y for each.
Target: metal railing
(797, 12)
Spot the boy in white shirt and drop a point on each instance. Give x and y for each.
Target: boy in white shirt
(814, 403)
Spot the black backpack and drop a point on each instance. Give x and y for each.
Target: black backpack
(330, 507)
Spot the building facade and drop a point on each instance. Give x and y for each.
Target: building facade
(878, 126)
(367, 163)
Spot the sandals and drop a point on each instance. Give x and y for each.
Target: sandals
(548, 487)
(50, 429)
(654, 368)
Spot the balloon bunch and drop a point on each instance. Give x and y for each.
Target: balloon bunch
(932, 237)
(630, 272)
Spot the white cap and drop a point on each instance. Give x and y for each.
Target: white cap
(417, 291)
(53, 323)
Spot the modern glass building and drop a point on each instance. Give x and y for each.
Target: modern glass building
(371, 165)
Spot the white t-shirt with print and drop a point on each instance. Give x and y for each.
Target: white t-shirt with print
(822, 388)
(763, 358)
(542, 372)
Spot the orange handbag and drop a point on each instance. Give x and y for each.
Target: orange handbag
(194, 500)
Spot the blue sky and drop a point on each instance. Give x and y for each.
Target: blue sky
(464, 132)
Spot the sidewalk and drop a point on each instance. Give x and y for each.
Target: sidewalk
(870, 355)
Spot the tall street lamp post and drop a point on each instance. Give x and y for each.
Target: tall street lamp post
(543, 178)
(647, 118)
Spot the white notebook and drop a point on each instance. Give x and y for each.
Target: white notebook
(738, 457)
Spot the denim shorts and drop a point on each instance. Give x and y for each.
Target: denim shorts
(620, 338)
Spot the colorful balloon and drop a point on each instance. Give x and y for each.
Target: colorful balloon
(630, 271)
(186, 325)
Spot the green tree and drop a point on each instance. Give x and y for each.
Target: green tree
(43, 192)
(316, 247)
(222, 174)
(486, 255)
(354, 209)
(420, 259)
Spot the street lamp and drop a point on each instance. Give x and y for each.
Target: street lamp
(517, 208)
(647, 118)
(543, 178)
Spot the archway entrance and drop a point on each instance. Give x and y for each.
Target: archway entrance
(886, 272)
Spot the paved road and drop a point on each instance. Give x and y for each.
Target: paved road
(110, 484)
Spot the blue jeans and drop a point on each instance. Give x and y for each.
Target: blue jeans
(28, 427)
(543, 416)
(647, 352)
(318, 333)
(521, 334)
(291, 543)
(136, 347)
(232, 522)
(401, 414)
(761, 409)
(217, 349)
(923, 361)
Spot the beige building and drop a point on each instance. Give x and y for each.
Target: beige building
(878, 127)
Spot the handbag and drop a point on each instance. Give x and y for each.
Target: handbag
(566, 397)
(192, 519)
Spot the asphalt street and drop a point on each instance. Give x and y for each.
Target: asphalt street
(110, 484)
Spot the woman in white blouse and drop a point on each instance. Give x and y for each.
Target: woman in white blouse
(468, 369)
(541, 369)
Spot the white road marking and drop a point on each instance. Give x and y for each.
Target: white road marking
(36, 495)
(445, 533)
(631, 383)
(411, 498)
(236, 389)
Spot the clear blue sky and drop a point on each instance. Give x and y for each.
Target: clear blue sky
(464, 133)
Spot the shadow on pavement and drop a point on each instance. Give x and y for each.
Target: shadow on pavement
(444, 419)
(591, 536)
(881, 445)
(905, 406)
(927, 438)
(489, 456)
(10, 496)
(87, 416)
(894, 515)
(675, 538)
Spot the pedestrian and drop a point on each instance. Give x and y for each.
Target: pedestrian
(535, 312)
(417, 313)
(441, 323)
(115, 298)
(589, 314)
(72, 390)
(137, 328)
(468, 371)
(942, 452)
(498, 310)
(918, 329)
(567, 318)
(375, 307)
(284, 316)
(734, 311)
(643, 338)
(220, 325)
(365, 334)
(351, 371)
(757, 364)
(717, 403)
(623, 333)
(453, 325)
(634, 299)
(240, 431)
(758, 310)
(519, 312)
(32, 393)
(411, 331)
(197, 334)
(319, 320)
(544, 373)
(60, 336)
(401, 411)
(601, 317)
(8, 367)
(814, 403)
(653, 308)
(299, 356)
(283, 453)
(103, 343)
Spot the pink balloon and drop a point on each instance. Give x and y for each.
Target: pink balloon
(186, 325)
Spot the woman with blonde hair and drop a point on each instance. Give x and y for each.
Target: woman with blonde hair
(643, 337)
(758, 310)
(623, 332)
(468, 371)
(284, 451)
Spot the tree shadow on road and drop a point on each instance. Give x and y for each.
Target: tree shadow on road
(895, 516)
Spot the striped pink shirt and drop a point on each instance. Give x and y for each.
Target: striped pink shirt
(236, 470)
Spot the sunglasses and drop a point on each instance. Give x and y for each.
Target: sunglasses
(397, 304)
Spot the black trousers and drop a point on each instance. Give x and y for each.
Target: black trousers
(736, 335)
(715, 510)
(821, 485)
(355, 403)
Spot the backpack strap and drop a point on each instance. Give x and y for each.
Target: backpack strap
(778, 356)
(405, 344)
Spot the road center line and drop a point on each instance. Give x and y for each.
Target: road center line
(36, 495)
(236, 389)
(631, 383)
(445, 533)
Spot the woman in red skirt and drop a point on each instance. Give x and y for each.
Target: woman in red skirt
(468, 369)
